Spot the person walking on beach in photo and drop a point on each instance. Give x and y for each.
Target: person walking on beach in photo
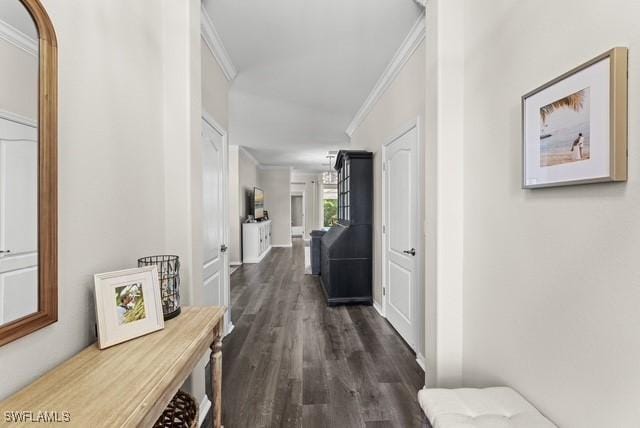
(124, 307)
(577, 143)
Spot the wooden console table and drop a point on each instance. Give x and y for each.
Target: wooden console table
(130, 384)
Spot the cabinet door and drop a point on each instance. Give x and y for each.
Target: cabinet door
(263, 239)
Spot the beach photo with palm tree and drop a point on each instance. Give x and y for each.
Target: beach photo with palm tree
(565, 130)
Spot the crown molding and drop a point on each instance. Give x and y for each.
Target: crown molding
(400, 58)
(214, 43)
(248, 154)
(17, 38)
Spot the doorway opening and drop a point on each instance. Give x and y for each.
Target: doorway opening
(297, 214)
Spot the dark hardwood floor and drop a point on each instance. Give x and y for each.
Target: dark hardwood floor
(292, 361)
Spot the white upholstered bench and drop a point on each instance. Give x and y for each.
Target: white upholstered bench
(499, 407)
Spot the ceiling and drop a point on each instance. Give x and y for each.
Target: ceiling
(304, 69)
(15, 14)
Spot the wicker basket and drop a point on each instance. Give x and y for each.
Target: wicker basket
(182, 412)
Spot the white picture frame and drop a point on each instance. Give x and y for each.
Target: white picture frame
(128, 305)
(574, 128)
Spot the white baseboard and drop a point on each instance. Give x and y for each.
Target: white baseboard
(283, 246)
(229, 328)
(258, 259)
(419, 357)
(235, 263)
(378, 309)
(205, 405)
(421, 362)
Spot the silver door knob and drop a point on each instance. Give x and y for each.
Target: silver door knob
(223, 248)
(411, 251)
(4, 251)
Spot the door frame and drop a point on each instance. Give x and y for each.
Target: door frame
(210, 120)
(419, 288)
(302, 193)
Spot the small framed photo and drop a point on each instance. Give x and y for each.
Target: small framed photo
(128, 305)
(574, 128)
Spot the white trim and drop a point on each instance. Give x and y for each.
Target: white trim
(378, 309)
(229, 328)
(282, 246)
(17, 38)
(203, 409)
(421, 362)
(214, 43)
(235, 263)
(17, 118)
(420, 243)
(400, 58)
(248, 154)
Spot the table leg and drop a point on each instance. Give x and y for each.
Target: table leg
(216, 376)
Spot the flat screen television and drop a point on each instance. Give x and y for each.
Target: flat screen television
(258, 203)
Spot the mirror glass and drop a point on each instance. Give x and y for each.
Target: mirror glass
(18, 162)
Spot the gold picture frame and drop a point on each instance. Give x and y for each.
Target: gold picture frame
(598, 90)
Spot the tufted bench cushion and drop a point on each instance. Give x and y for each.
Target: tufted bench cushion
(499, 407)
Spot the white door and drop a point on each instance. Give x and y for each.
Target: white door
(18, 221)
(401, 233)
(215, 269)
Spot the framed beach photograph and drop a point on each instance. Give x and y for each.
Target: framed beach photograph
(574, 128)
(128, 305)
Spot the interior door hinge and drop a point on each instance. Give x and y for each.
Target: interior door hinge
(384, 229)
(384, 165)
(384, 291)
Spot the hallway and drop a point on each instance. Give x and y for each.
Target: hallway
(292, 361)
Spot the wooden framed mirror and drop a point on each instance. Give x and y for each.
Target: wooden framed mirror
(28, 170)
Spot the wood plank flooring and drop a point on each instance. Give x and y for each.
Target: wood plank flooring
(292, 361)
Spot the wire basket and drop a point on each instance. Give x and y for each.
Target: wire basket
(182, 412)
(169, 276)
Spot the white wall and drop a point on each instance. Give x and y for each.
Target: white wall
(403, 103)
(234, 206)
(551, 276)
(182, 86)
(111, 197)
(276, 184)
(444, 189)
(215, 87)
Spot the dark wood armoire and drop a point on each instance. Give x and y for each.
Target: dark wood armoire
(347, 248)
